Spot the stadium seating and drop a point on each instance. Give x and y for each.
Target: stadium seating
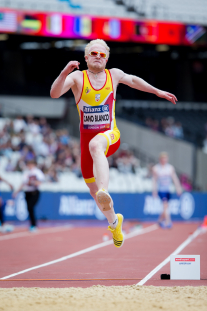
(187, 11)
(193, 123)
(69, 182)
(128, 176)
(101, 7)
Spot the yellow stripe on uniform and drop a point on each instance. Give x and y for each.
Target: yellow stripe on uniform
(108, 142)
(90, 180)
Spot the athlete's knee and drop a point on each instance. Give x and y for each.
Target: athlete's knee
(95, 147)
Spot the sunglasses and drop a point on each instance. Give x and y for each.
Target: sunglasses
(95, 53)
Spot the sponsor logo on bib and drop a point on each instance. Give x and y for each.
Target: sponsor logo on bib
(97, 117)
(103, 108)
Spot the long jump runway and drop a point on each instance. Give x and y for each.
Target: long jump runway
(77, 256)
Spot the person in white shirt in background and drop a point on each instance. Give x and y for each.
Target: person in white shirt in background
(163, 176)
(4, 227)
(32, 178)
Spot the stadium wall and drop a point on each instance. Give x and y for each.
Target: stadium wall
(59, 205)
(201, 170)
(36, 106)
(181, 154)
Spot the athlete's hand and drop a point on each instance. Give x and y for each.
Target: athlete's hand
(179, 192)
(14, 194)
(172, 98)
(71, 66)
(154, 194)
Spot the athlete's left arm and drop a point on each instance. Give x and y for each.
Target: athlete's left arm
(176, 182)
(141, 85)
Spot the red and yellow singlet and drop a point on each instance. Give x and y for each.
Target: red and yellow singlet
(97, 117)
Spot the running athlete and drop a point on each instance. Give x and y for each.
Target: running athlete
(94, 90)
(163, 175)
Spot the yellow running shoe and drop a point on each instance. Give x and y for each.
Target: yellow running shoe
(118, 236)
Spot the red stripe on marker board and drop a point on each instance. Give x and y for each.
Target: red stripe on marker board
(184, 259)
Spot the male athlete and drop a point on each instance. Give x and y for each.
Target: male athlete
(163, 175)
(94, 90)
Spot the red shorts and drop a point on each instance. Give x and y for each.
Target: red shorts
(113, 143)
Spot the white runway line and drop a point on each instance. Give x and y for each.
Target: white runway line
(176, 252)
(40, 231)
(86, 250)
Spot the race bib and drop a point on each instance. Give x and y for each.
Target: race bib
(97, 117)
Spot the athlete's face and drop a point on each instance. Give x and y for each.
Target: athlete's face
(163, 160)
(30, 166)
(96, 63)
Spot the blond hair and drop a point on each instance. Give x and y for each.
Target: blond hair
(97, 41)
(163, 154)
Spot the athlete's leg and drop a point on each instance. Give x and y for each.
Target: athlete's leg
(166, 213)
(97, 148)
(165, 216)
(162, 216)
(110, 214)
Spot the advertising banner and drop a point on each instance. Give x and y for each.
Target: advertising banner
(144, 207)
(53, 24)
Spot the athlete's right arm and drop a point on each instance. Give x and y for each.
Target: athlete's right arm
(64, 81)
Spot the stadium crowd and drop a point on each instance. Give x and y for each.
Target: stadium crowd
(54, 150)
(168, 126)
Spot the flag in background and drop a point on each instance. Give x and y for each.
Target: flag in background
(8, 21)
(31, 24)
(83, 26)
(54, 24)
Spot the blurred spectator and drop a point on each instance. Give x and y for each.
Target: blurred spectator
(76, 166)
(54, 151)
(125, 160)
(31, 180)
(27, 153)
(169, 130)
(43, 125)
(22, 142)
(51, 174)
(163, 125)
(3, 227)
(64, 137)
(4, 137)
(149, 174)
(185, 182)
(9, 167)
(19, 124)
(7, 149)
(153, 124)
(168, 126)
(34, 127)
(42, 148)
(178, 130)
